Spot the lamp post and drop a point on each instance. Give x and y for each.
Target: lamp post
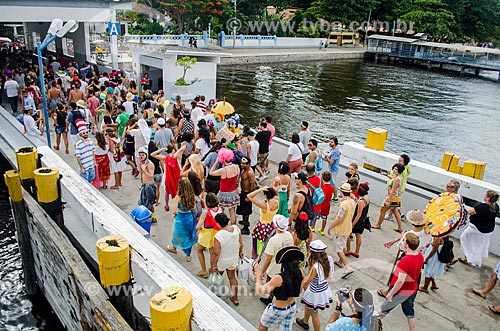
(56, 29)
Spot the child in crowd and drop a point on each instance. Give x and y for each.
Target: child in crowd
(327, 188)
(207, 228)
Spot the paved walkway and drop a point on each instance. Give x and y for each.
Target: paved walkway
(452, 307)
(443, 309)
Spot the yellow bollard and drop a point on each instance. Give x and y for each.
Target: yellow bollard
(375, 138)
(171, 309)
(114, 260)
(13, 182)
(46, 184)
(27, 158)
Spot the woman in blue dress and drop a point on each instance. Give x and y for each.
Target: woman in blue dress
(183, 210)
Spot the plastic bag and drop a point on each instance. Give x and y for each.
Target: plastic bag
(243, 269)
(251, 274)
(216, 284)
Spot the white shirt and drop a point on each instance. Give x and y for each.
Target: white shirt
(103, 79)
(29, 103)
(304, 139)
(296, 151)
(254, 150)
(30, 125)
(129, 107)
(196, 115)
(83, 87)
(67, 81)
(201, 144)
(11, 88)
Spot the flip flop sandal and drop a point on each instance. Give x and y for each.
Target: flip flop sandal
(398, 230)
(478, 293)
(302, 324)
(493, 310)
(462, 260)
(338, 264)
(423, 290)
(381, 293)
(435, 288)
(346, 274)
(200, 275)
(67, 151)
(236, 303)
(171, 249)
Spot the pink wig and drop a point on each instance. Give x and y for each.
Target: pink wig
(225, 155)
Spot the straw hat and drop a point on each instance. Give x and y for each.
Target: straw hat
(130, 96)
(416, 217)
(346, 187)
(81, 103)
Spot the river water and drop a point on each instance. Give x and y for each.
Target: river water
(17, 311)
(426, 112)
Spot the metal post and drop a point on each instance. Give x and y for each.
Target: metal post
(234, 27)
(40, 47)
(114, 43)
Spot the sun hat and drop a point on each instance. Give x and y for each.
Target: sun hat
(186, 112)
(143, 149)
(416, 217)
(280, 222)
(81, 126)
(61, 73)
(81, 103)
(130, 96)
(161, 121)
(346, 187)
(317, 246)
(289, 254)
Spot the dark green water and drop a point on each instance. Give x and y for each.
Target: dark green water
(426, 112)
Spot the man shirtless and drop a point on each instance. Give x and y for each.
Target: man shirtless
(247, 185)
(147, 197)
(299, 197)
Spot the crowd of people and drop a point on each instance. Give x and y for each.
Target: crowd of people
(210, 171)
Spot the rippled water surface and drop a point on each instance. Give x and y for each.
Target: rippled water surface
(17, 312)
(427, 113)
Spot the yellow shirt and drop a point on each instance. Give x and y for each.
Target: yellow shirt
(346, 213)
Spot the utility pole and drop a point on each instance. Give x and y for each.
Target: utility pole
(234, 25)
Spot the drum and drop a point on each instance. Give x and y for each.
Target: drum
(444, 214)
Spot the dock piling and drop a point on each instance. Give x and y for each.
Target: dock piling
(13, 182)
(48, 193)
(171, 309)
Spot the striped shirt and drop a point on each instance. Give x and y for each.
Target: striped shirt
(85, 150)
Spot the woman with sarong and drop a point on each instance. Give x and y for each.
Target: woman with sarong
(184, 229)
(102, 171)
(475, 240)
(171, 169)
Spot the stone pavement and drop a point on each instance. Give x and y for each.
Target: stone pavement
(452, 307)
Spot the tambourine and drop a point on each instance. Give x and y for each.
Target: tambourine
(444, 214)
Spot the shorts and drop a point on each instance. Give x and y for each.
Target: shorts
(406, 305)
(334, 175)
(60, 129)
(340, 242)
(261, 159)
(89, 174)
(73, 139)
(395, 204)
(283, 317)
(157, 178)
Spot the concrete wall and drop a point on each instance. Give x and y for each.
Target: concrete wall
(287, 56)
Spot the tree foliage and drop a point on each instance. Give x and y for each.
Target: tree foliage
(445, 20)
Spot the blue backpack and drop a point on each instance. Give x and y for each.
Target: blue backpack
(319, 162)
(318, 196)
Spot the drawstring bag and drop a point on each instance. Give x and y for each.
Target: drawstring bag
(243, 269)
(216, 284)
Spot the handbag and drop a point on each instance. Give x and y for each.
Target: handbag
(216, 284)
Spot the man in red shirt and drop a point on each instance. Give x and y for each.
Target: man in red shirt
(313, 182)
(404, 283)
